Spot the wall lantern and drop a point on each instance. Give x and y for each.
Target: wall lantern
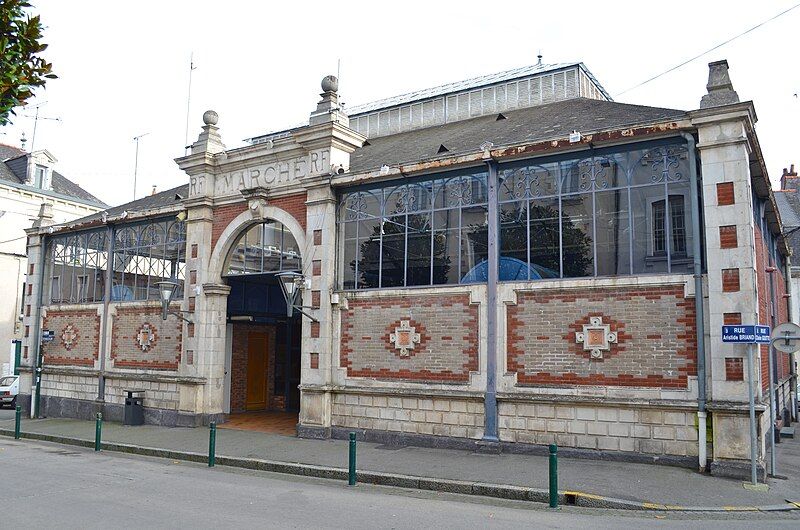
(166, 290)
(292, 285)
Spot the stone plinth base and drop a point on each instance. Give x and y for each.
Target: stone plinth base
(738, 469)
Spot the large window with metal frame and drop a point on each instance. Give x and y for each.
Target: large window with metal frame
(263, 248)
(76, 265)
(147, 253)
(429, 231)
(614, 212)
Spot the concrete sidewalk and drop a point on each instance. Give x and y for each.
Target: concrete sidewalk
(634, 482)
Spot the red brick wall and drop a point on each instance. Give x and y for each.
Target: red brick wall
(223, 215)
(763, 261)
(656, 340)
(239, 363)
(77, 337)
(448, 347)
(164, 350)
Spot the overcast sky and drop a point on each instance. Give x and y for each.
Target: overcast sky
(123, 67)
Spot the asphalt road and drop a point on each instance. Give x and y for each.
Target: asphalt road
(69, 487)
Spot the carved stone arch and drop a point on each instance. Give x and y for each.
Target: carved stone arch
(244, 221)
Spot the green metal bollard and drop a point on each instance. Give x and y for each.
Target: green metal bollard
(98, 431)
(351, 476)
(553, 476)
(212, 444)
(17, 422)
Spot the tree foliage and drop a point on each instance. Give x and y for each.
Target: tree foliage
(22, 69)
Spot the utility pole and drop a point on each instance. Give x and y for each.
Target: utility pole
(136, 162)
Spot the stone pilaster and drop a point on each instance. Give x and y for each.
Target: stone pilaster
(731, 264)
(328, 131)
(34, 283)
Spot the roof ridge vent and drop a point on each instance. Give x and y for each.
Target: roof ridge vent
(500, 117)
(442, 149)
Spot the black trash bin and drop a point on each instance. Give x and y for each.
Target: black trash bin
(134, 410)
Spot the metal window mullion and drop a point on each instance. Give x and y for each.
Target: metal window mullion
(149, 270)
(667, 227)
(528, 234)
(433, 242)
(380, 240)
(72, 270)
(594, 230)
(357, 254)
(263, 245)
(84, 255)
(135, 258)
(405, 251)
(122, 262)
(95, 266)
(630, 230)
(560, 234)
(459, 244)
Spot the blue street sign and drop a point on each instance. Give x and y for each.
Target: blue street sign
(746, 334)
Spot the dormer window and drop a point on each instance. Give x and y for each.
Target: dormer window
(39, 178)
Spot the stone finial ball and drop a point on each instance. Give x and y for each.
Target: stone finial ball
(210, 117)
(330, 83)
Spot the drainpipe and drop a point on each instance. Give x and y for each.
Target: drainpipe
(772, 373)
(702, 458)
(787, 274)
(490, 430)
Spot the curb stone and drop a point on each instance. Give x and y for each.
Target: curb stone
(500, 491)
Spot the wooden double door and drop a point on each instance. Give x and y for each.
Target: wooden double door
(259, 351)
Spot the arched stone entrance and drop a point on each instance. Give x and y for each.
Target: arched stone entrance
(254, 347)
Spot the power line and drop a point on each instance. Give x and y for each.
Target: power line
(720, 45)
(10, 240)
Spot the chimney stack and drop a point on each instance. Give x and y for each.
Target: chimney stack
(720, 89)
(787, 177)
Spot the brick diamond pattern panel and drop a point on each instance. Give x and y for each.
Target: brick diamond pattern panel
(655, 325)
(76, 337)
(448, 346)
(140, 339)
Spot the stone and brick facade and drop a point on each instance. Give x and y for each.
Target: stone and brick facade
(601, 358)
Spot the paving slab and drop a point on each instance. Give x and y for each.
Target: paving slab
(657, 484)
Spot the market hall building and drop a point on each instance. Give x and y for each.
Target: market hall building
(502, 262)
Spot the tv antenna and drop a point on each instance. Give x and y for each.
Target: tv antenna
(136, 161)
(192, 67)
(36, 119)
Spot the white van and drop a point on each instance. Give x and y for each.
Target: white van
(9, 388)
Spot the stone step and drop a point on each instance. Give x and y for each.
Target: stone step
(787, 432)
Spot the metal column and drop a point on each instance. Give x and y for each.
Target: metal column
(490, 431)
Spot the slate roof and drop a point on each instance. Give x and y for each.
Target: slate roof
(13, 165)
(788, 202)
(164, 199)
(554, 120)
(528, 125)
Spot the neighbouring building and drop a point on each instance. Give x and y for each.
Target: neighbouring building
(789, 207)
(30, 187)
(498, 263)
